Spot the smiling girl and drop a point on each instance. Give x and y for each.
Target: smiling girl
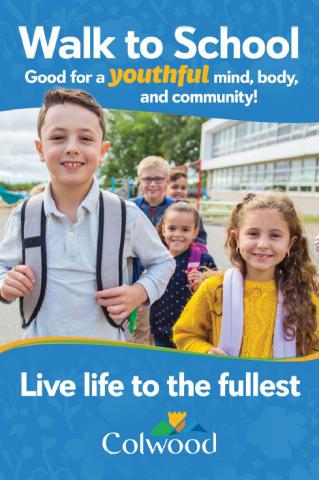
(178, 229)
(267, 306)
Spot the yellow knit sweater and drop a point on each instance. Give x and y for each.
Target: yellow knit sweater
(198, 328)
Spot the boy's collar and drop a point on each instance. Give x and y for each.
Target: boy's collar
(89, 201)
(154, 206)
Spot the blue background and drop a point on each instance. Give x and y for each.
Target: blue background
(265, 18)
(60, 438)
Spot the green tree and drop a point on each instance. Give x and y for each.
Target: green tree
(134, 135)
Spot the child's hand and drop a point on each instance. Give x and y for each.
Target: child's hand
(18, 283)
(121, 301)
(195, 278)
(217, 351)
(317, 243)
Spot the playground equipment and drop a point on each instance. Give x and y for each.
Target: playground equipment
(216, 211)
(122, 187)
(193, 171)
(213, 210)
(10, 198)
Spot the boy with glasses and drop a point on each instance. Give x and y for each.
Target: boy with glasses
(153, 179)
(152, 174)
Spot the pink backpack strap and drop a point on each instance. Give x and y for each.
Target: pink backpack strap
(194, 258)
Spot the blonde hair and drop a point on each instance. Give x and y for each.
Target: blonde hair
(175, 174)
(296, 274)
(152, 161)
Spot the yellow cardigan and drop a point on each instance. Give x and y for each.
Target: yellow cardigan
(198, 328)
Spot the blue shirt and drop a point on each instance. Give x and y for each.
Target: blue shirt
(153, 213)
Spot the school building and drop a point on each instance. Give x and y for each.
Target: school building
(257, 156)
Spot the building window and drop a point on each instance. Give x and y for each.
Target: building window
(295, 175)
(269, 175)
(243, 136)
(309, 171)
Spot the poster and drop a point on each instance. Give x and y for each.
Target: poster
(76, 409)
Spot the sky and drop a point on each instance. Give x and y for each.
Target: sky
(19, 161)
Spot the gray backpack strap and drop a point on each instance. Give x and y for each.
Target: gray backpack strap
(33, 224)
(111, 237)
(233, 313)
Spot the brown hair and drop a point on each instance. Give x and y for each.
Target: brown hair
(296, 273)
(174, 176)
(181, 207)
(79, 97)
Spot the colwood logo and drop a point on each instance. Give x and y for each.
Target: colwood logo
(175, 425)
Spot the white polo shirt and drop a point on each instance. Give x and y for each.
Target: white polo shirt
(69, 307)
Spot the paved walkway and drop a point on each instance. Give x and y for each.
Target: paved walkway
(10, 329)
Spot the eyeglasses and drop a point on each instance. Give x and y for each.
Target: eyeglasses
(156, 180)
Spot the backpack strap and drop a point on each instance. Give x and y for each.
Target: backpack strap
(33, 223)
(109, 268)
(194, 258)
(233, 319)
(111, 237)
(233, 312)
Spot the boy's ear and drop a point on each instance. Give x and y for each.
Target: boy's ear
(38, 146)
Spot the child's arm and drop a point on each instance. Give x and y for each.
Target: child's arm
(121, 301)
(142, 241)
(10, 251)
(158, 263)
(217, 351)
(17, 283)
(195, 277)
(193, 330)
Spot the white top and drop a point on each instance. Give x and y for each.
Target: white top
(69, 307)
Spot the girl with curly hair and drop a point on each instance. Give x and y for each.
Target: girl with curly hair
(267, 305)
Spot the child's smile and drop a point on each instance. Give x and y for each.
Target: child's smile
(71, 145)
(178, 189)
(179, 231)
(262, 256)
(72, 165)
(263, 241)
(153, 182)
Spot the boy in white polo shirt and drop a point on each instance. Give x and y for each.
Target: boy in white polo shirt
(71, 130)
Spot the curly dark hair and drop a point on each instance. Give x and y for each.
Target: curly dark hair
(296, 274)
